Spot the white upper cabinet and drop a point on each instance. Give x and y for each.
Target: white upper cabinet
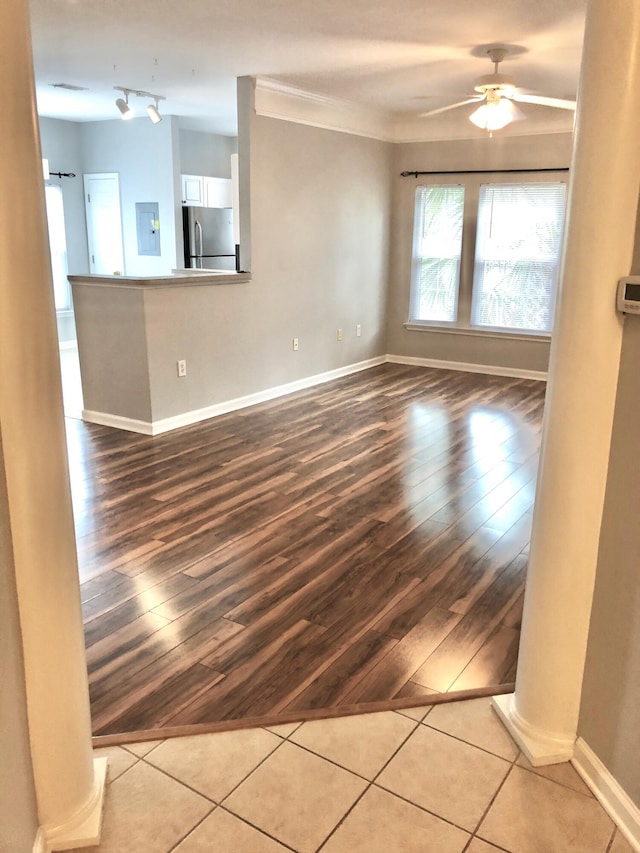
(202, 191)
(217, 192)
(193, 190)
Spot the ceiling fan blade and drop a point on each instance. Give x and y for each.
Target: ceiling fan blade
(560, 103)
(451, 107)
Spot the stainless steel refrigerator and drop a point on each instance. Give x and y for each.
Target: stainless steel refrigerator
(208, 238)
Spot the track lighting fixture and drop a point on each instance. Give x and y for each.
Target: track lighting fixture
(123, 105)
(152, 110)
(126, 111)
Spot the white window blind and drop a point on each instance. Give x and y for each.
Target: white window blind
(436, 261)
(518, 244)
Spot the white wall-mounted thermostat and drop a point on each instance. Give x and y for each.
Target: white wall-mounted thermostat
(628, 298)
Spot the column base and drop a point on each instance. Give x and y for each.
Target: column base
(83, 829)
(539, 747)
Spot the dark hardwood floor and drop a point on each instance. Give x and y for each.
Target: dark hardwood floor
(359, 543)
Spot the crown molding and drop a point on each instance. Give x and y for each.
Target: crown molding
(414, 129)
(288, 103)
(278, 100)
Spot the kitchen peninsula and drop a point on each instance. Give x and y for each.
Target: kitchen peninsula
(133, 331)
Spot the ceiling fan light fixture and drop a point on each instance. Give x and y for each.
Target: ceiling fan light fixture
(505, 82)
(496, 94)
(495, 114)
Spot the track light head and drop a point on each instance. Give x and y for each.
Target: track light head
(125, 110)
(154, 115)
(123, 105)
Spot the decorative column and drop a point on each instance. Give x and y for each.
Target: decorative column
(542, 716)
(68, 783)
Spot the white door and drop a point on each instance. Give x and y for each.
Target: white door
(104, 223)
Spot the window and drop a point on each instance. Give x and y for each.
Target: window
(436, 260)
(517, 251)
(57, 247)
(498, 271)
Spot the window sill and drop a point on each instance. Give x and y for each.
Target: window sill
(477, 333)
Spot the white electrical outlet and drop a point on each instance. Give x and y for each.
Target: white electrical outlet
(339, 334)
(182, 367)
(296, 347)
(358, 330)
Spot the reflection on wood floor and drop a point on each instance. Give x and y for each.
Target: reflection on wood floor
(356, 543)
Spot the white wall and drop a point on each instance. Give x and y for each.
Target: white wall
(206, 153)
(143, 154)
(499, 152)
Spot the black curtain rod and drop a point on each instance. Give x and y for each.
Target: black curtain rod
(62, 174)
(483, 172)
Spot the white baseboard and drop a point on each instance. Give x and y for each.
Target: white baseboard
(84, 828)
(234, 405)
(117, 421)
(618, 805)
(539, 747)
(467, 367)
(197, 415)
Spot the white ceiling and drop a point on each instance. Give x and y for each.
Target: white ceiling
(394, 55)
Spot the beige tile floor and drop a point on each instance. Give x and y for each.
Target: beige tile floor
(446, 779)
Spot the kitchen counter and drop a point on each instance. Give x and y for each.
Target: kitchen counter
(149, 345)
(189, 278)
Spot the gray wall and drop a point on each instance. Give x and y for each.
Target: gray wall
(500, 152)
(143, 154)
(319, 203)
(18, 815)
(112, 347)
(206, 153)
(320, 213)
(610, 712)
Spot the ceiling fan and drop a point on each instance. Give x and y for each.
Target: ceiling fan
(497, 92)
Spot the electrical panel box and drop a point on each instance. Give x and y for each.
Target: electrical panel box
(148, 227)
